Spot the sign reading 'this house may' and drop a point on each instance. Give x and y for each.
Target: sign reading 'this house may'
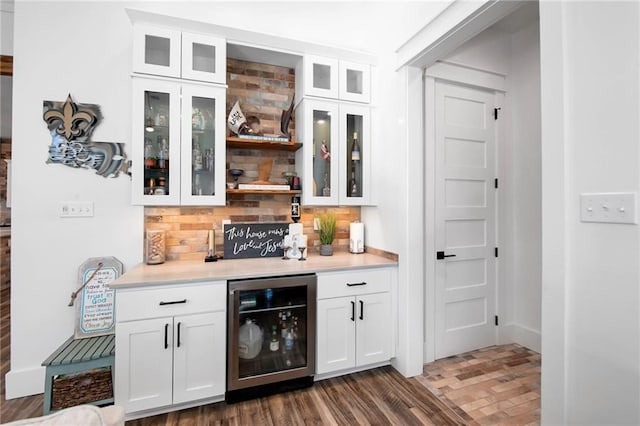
(246, 240)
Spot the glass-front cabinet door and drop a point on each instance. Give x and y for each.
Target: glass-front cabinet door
(156, 50)
(156, 142)
(354, 158)
(319, 76)
(204, 58)
(203, 145)
(317, 161)
(354, 81)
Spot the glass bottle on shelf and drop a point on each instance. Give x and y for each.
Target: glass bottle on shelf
(288, 340)
(353, 183)
(149, 154)
(274, 345)
(355, 148)
(163, 154)
(197, 154)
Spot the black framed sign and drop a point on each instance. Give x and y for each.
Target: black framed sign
(250, 240)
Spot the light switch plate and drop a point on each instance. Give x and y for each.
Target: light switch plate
(608, 207)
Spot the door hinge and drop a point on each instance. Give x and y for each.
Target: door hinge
(495, 113)
(495, 183)
(496, 251)
(495, 318)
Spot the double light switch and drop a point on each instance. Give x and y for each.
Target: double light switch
(608, 207)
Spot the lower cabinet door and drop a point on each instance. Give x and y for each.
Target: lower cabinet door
(199, 356)
(143, 367)
(373, 334)
(335, 334)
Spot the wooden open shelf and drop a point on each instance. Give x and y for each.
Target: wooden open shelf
(235, 142)
(262, 191)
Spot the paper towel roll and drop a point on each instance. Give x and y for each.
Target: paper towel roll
(295, 228)
(356, 237)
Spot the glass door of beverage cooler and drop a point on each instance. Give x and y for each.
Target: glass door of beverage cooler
(203, 145)
(272, 331)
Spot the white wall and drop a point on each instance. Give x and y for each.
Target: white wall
(488, 51)
(521, 305)
(47, 250)
(590, 143)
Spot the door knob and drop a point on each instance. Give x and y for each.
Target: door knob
(440, 255)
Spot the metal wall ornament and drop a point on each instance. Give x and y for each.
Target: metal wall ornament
(71, 125)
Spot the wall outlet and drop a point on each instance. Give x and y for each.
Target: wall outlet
(316, 224)
(75, 209)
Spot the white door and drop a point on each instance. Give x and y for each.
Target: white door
(336, 334)
(464, 219)
(144, 356)
(373, 329)
(199, 356)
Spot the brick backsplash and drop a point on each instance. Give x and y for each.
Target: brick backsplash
(187, 227)
(264, 91)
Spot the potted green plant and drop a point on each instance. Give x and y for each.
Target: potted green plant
(327, 230)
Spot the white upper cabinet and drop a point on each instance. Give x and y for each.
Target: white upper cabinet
(355, 82)
(335, 159)
(317, 76)
(204, 58)
(156, 50)
(173, 53)
(332, 78)
(178, 144)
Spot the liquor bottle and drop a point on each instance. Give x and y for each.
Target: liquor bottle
(355, 148)
(163, 154)
(197, 189)
(283, 324)
(197, 154)
(353, 184)
(288, 340)
(149, 154)
(274, 345)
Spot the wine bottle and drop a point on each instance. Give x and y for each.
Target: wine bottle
(274, 345)
(353, 184)
(355, 148)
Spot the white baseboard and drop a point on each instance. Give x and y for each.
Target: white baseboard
(19, 383)
(523, 336)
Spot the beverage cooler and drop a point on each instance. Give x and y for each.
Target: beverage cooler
(271, 339)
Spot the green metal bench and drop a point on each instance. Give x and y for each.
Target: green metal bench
(79, 356)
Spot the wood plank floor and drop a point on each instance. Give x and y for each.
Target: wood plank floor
(376, 397)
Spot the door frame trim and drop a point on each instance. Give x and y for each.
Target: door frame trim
(486, 82)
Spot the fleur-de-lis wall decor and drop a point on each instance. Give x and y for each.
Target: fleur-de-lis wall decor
(71, 125)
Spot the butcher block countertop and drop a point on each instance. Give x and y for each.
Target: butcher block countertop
(175, 272)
